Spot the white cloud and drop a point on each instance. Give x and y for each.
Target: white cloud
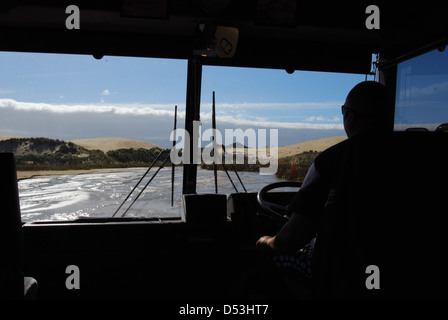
(119, 109)
(105, 92)
(6, 91)
(237, 119)
(149, 122)
(278, 125)
(418, 91)
(277, 105)
(319, 118)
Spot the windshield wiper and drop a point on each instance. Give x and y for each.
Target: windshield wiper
(150, 167)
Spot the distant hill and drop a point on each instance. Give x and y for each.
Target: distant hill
(293, 160)
(54, 154)
(236, 145)
(108, 144)
(103, 144)
(314, 145)
(21, 146)
(286, 152)
(6, 137)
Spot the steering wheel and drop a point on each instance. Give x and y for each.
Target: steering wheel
(273, 210)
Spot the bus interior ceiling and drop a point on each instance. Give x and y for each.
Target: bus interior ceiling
(309, 36)
(141, 260)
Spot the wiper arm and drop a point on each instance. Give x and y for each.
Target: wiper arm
(147, 184)
(152, 164)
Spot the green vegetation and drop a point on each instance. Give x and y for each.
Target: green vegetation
(36, 154)
(295, 168)
(134, 155)
(40, 154)
(239, 167)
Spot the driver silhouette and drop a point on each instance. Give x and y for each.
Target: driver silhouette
(368, 109)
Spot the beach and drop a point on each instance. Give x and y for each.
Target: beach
(99, 193)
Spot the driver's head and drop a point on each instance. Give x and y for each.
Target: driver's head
(368, 106)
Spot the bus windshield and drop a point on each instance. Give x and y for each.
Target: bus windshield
(85, 131)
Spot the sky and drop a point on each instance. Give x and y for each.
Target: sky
(77, 97)
(422, 91)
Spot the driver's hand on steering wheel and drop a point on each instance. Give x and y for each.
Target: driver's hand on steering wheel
(266, 241)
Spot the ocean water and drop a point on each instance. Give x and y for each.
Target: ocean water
(100, 194)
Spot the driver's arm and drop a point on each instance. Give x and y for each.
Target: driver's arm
(297, 232)
(307, 206)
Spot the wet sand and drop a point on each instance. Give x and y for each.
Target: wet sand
(21, 175)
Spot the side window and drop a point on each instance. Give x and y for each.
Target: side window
(422, 92)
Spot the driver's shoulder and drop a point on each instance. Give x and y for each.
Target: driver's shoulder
(332, 154)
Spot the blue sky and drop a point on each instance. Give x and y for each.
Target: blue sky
(73, 97)
(422, 91)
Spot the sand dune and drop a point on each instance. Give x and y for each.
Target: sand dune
(108, 144)
(103, 144)
(6, 137)
(316, 145)
(295, 149)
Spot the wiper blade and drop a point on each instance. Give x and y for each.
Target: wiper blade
(147, 184)
(150, 167)
(108, 219)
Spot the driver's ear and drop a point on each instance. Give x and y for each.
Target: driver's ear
(350, 122)
(351, 115)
